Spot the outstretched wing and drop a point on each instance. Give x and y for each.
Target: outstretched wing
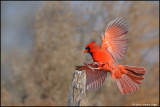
(94, 79)
(114, 39)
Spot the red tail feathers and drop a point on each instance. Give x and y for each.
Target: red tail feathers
(130, 80)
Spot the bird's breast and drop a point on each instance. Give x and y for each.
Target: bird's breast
(101, 56)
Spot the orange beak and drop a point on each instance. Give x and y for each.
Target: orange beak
(85, 51)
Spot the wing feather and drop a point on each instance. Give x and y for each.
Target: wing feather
(94, 79)
(114, 39)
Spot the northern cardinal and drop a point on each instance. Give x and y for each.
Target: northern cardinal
(105, 56)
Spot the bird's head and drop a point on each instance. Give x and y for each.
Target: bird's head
(90, 47)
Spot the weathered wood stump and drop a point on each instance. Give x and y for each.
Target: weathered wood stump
(77, 95)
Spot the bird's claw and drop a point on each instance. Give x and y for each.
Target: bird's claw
(95, 63)
(93, 69)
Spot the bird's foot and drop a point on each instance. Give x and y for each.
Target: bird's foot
(97, 63)
(93, 69)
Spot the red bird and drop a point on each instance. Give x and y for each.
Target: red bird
(105, 56)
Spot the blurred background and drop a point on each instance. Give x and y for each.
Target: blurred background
(42, 42)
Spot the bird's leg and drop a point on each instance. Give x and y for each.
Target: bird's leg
(90, 67)
(93, 69)
(99, 66)
(95, 63)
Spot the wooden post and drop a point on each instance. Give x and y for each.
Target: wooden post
(77, 95)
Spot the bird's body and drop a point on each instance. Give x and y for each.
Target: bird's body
(105, 61)
(114, 46)
(102, 55)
